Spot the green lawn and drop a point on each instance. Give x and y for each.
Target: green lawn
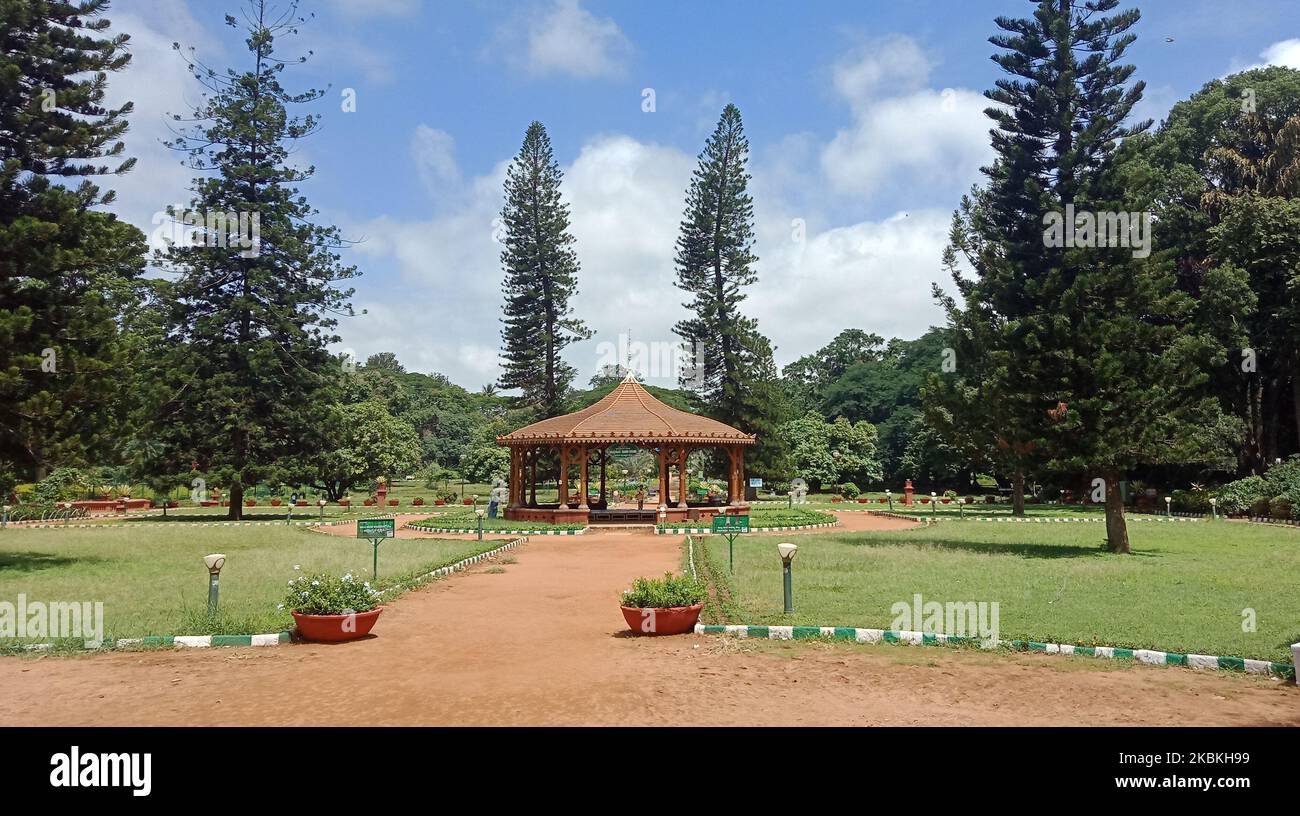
(463, 518)
(1183, 589)
(761, 517)
(152, 581)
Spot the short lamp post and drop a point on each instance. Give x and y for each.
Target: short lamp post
(787, 552)
(4, 516)
(214, 563)
(889, 496)
(321, 504)
(479, 512)
(934, 504)
(1169, 507)
(1214, 508)
(663, 514)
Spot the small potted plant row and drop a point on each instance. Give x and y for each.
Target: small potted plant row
(663, 606)
(330, 609)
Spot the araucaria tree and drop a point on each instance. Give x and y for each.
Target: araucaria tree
(735, 378)
(1093, 348)
(66, 270)
(250, 380)
(541, 275)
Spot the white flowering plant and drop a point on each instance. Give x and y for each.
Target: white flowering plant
(330, 595)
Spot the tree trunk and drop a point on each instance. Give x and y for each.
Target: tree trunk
(1018, 494)
(236, 500)
(1116, 529)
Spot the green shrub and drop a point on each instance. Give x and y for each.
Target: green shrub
(1279, 507)
(328, 595)
(950, 494)
(1260, 507)
(1241, 495)
(664, 593)
(849, 490)
(64, 484)
(1191, 501)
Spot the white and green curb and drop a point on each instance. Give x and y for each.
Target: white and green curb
(1149, 656)
(190, 641)
(752, 530)
(459, 566)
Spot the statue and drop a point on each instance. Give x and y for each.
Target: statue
(798, 491)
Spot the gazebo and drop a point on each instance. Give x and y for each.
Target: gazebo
(629, 416)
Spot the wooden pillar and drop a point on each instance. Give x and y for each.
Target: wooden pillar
(532, 477)
(563, 482)
(736, 492)
(515, 481)
(663, 476)
(582, 477)
(682, 453)
(603, 455)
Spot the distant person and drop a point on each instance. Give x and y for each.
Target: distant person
(640, 498)
(492, 507)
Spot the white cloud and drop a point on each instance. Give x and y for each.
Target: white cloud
(1285, 53)
(568, 40)
(434, 152)
(159, 84)
(884, 67)
(927, 138)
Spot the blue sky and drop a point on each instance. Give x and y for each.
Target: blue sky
(864, 120)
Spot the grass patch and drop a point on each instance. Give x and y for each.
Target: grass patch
(152, 581)
(463, 518)
(1184, 588)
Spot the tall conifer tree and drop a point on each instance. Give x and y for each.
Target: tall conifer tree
(541, 275)
(738, 383)
(1090, 349)
(66, 270)
(250, 378)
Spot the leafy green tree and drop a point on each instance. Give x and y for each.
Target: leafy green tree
(1234, 147)
(810, 375)
(250, 381)
(66, 270)
(541, 276)
(828, 453)
(738, 383)
(367, 442)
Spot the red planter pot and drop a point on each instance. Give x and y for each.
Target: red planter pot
(946, 501)
(418, 503)
(392, 502)
(250, 503)
(862, 501)
(881, 501)
(676, 620)
(335, 628)
(368, 503)
(467, 501)
(345, 503)
(439, 503)
(836, 499)
(276, 502)
(300, 504)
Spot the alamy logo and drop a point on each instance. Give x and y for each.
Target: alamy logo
(91, 770)
(53, 620)
(964, 619)
(211, 228)
(1086, 229)
(680, 362)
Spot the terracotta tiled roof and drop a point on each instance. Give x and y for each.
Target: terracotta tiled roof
(628, 414)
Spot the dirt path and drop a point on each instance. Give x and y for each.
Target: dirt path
(544, 643)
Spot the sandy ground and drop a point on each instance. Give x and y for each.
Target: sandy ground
(544, 643)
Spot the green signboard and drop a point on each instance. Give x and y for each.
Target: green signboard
(731, 524)
(376, 528)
